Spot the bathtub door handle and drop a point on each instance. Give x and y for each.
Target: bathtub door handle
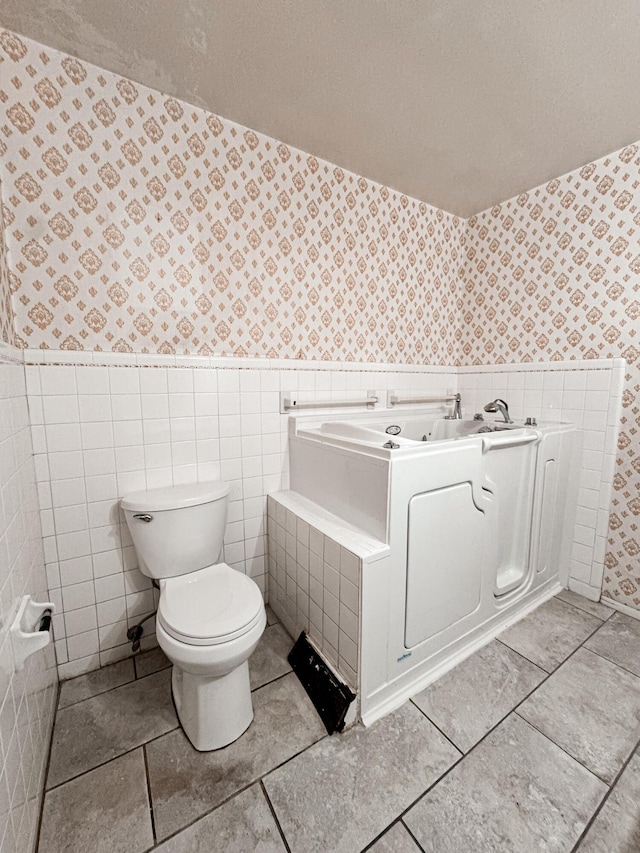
(495, 442)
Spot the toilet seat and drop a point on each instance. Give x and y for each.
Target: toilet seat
(210, 606)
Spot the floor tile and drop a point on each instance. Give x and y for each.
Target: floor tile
(91, 732)
(591, 708)
(516, 791)
(243, 824)
(595, 608)
(94, 683)
(340, 794)
(395, 840)
(185, 784)
(548, 635)
(152, 661)
(617, 826)
(269, 660)
(474, 696)
(619, 641)
(106, 811)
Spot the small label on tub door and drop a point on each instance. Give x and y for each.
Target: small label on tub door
(403, 657)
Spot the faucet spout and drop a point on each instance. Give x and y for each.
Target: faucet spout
(499, 406)
(456, 414)
(457, 408)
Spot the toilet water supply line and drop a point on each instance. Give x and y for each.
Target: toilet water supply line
(136, 631)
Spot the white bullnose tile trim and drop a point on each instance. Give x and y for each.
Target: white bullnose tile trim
(366, 547)
(81, 358)
(10, 354)
(544, 366)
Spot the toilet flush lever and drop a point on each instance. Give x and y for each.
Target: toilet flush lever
(144, 516)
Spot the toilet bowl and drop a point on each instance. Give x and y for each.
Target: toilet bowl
(210, 616)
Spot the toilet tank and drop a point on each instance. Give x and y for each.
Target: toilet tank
(177, 529)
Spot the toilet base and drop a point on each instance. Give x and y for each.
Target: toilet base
(213, 712)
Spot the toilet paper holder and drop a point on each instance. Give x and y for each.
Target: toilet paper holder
(31, 629)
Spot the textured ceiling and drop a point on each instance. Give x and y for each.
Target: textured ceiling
(459, 103)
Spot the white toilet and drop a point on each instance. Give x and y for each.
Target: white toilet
(210, 617)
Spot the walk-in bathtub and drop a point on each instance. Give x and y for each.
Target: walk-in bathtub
(473, 521)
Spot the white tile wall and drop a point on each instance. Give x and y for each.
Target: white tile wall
(315, 587)
(588, 394)
(122, 422)
(27, 698)
(103, 429)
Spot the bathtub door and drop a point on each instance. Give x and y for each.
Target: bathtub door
(509, 477)
(445, 548)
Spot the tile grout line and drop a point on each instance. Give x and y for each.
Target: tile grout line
(171, 731)
(273, 680)
(102, 764)
(562, 749)
(570, 655)
(257, 780)
(275, 816)
(396, 822)
(493, 728)
(533, 663)
(437, 727)
(144, 743)
(605, 799)
(588, 612)
(612, 785)
(420, 847)
(134, 680)
(148, 781)
(399, 819)
(200, 817)
(93, 696)
(111, 760)
(463, 755)
(46, 772)
(548, 676)
(615, 663)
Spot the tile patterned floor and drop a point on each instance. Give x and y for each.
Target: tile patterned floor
(530, 744)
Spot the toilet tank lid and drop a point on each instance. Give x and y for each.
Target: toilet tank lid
(175, 497)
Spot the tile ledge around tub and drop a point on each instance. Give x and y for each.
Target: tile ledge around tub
(367, 548)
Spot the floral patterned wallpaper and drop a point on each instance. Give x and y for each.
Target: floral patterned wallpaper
(136, 222)
(554, 274)
(6, 312)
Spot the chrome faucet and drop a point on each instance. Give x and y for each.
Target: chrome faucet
(456, 415)
(499, 406)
